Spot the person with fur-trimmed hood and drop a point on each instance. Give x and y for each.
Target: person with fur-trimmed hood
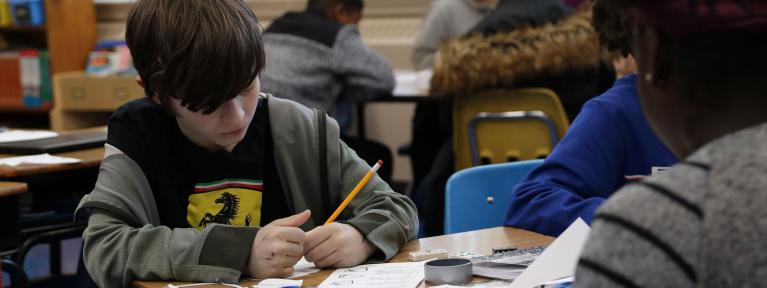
(529, 43)
(522, 43)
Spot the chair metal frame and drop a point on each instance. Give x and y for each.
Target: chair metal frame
(506, 116)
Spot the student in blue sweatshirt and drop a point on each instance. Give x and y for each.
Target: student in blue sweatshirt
(608, 142)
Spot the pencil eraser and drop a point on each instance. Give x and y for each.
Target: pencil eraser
(428, 254)
(464, 255)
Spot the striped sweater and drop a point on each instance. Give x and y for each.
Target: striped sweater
(701, 225)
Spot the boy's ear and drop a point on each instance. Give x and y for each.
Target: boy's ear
(336, 13)
(139, 81)
(343, 15)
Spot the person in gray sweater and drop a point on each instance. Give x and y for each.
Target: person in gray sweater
(317, 58)
(701, 85)
(446, 19)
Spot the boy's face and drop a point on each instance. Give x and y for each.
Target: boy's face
(223, 128)
(345, 16)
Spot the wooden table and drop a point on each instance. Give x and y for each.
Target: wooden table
(480, 241)
(12, 188)
(9, 213)
(90, 158)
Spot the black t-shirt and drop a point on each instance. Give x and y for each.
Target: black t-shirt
(192, 186)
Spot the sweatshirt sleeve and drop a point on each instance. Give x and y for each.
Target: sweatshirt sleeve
(124, 241)
(387, 219)
(434, 30)
(365, 73)
(584, 169)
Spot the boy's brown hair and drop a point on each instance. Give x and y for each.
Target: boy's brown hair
(202, 52)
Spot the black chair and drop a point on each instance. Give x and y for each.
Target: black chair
(18, 278)
(51, 235)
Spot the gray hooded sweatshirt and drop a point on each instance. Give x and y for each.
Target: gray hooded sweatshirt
(126, 241)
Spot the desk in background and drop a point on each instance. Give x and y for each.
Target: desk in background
(90, 157)
(9, 213)
(480, 241)
(53, 190)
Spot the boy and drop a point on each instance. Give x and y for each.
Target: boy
(205, 148)
(334, 67)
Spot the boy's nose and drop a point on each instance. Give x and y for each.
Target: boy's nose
(232, 111)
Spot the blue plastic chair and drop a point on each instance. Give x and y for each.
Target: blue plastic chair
(477, 197)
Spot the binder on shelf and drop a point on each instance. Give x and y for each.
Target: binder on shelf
(30, 77)
(5, 14)
(27, 12)
(10, 83)
(26, 80)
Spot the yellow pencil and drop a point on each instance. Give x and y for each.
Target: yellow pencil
(356, 190)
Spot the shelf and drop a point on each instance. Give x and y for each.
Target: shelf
(39, 29)
(9, 108)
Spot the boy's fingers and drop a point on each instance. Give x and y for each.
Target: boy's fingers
(328, 261)
(290, 234)
(316, 237)
(321, 251)
(288, 249)
(293, 221)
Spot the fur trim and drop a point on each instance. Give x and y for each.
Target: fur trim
(504, 59)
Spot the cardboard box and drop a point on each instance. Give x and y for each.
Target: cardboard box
(76, 91)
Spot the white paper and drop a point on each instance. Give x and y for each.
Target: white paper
(389, 275)
(412, 83)
(202, 284)
(21, 135)
(303, 268)
(278, 283)
(38, 159)
(559, 260)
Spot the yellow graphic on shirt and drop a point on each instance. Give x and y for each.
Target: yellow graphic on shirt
(231, 201)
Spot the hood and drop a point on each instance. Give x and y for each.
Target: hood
(504, 59)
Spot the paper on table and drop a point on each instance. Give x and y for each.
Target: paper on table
(559, 260)
(389, 275)
(202, 284)
(44, 158)
(303, 268)
(278, 283)
(21, 135)
(412, 83)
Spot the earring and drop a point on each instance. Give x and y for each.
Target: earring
(648, 77)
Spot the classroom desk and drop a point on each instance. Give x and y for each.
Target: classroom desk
(45, 183)
(480, 241)
(90, 158)
(12, 188)
(9, 212)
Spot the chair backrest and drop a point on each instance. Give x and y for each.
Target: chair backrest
(477, 197)
(505, 125)
(16, 274)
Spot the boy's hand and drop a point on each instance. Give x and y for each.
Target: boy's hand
(278, 247)
(336, 245)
